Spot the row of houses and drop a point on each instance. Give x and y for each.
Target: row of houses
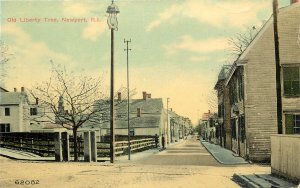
(247, 99)
(147, 117)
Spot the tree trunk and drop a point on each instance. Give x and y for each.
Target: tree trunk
(75, 144)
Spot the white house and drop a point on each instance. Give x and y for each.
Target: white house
(18, 114)
(12, 110)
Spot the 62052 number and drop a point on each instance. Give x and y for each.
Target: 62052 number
(27, 182)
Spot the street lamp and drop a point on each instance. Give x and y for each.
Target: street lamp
(112, 21)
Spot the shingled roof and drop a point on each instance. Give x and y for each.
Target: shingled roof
(151, 110)
(206, 116)
(12, 98)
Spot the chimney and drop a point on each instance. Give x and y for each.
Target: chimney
(138, 112)
(119, 96)
(22, 89)
(149, 95)
(171, 109)
(294, 1)
(144, 95)
(15, 89)
(36, 101)
(209, 111)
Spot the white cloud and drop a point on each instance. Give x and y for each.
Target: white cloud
(187, 43)
(31, 60)
(221, 14)
(78, 8)
(94, 30)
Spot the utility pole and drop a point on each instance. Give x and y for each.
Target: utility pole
(277, 61)
(168, 136)
(128, 112)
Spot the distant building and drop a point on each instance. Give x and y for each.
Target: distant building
(147, 117)
(223, 130)
(180, 126)
(207, 126)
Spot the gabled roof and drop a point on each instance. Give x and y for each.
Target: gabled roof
(223, 74)
(241, 60)
(145, 121)
(151, 111)
(206, 116)
(12, 98)
(147, 106)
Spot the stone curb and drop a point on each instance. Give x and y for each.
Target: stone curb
(235, 163)
(244, 181)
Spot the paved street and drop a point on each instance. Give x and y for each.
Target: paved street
(189, 152)
(186, 164)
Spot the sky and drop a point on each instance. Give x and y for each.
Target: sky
(178, 46)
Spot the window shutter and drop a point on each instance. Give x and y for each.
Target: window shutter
(289, 124)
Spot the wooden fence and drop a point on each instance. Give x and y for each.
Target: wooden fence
(41, 144)
(121, 147)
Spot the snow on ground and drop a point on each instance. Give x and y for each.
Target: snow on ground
(84, 175)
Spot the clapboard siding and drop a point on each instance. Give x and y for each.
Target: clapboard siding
(260, 81)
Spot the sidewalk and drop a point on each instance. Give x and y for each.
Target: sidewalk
(227, 157)
(23, 155)
(261, 180)
(222, 155)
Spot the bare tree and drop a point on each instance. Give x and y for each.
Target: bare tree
(71, 101)
(212, 100)
(240, 41)
(4, 58)
(68, 100)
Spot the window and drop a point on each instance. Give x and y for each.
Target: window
(7, 111)
(241, 88)
(291, 84)
(242, 128)
(233, 90)
(33, 111)
(233, 129)
(292, 124)
(217, 131)
(4, 127)
(131, 132)
(211, 122)
(221, 110)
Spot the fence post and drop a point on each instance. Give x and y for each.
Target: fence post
(93, 146)
(58, 146)
(32, 147)
(65, 146)
(21, 143)
(87, 146)
(78, 146)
